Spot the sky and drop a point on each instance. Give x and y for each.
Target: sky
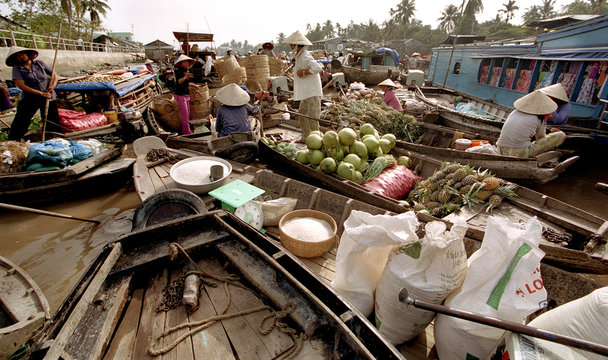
(261, 21)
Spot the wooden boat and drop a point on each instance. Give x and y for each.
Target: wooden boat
(552, 213)
(247, 279)
(102, 172)
(24, 309)
(370, 77)
(240, 147)
(437, 141)
(489, 118)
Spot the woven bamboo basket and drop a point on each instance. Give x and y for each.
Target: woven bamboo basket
(200, 92)
(243, 72)
(232, 78)
(307, 249)
(260, 60)
(166, 110)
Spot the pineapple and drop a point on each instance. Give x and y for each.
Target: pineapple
(444, 196)
(483, 194)
(450, 177)
(419, 207)
(465, 189)
(468, 180)
(438, 175)
(432, 205)
(453, 167)
(494, 201)
(491, 182)
(460, 174)
(434, 196)
(457, 186)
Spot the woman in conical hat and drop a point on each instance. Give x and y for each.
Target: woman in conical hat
(233, 115)
(390, 98)
(558, 94)
(37, 80)
(306, 82)
(528, 120)
(182, 90)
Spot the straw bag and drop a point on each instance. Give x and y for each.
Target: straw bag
(166, 110)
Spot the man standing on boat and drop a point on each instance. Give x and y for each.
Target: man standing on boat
(558, 94)
(528, 120)
(37, 80)
(390, 98)
(306, 82)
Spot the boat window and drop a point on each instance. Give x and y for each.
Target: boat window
(456, 68)
(524, 77)
(495, 71)
(593, 77)
(484, 69)
(509, 78)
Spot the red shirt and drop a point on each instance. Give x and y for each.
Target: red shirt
(391, 100)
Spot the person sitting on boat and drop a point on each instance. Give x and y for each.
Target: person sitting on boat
(526, 121)
(390, 98)
(558, 94)
(233, 115)
(182, 91)
(37, 80)
(306, 83)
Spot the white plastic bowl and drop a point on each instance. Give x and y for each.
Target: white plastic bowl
(193, 173)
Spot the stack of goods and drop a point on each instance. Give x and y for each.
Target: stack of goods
(455, 185)
(166, 111)
(72, 120)
(484, 74)
(262, 70)
(384, 118)
(276, 66)
(13, 157)
(524, 81)
(357, 91)
(199, 101)
(229, 70)
(496, 70)
(94, 78)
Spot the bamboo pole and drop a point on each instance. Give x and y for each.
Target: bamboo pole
(44, 212)
(46, 104)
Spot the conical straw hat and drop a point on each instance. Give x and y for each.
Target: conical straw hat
(556, 91)
(535, 103)
(11, 58)
(388, 82)
(232, 95)
(183, 57)
(297, 38)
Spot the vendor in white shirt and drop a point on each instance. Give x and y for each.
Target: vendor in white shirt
(528, 120)
(306, 83)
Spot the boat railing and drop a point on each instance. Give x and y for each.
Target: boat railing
(37, 41)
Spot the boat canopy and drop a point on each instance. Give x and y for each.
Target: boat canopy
(192, 37)
(124, 89)
(393, 53)
(462, 39)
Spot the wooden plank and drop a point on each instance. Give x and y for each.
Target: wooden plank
(243, 331)
(92, 335)
(122, 345)
(72, 322)
(211, 342)
(151, 322)
(175, 317)
(142, 180)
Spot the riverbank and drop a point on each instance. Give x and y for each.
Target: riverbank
(73, 61)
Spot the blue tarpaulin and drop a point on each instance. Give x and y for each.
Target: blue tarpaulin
(394, 54)
(104, 85)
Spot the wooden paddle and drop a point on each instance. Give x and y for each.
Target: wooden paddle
(46, 105)
(44, 212)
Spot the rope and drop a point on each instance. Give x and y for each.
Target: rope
(200, 325)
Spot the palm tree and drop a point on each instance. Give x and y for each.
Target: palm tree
(448, 18)
(66, 6)
(469, 10)
(546, 10)
(96, 9)
(404, 13)
(509, 10)
(370, 31)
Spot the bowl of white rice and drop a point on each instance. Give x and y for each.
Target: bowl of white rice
(307, 233)
(193, 173)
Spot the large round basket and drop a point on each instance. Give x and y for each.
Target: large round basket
(193, 173)
(307, 249)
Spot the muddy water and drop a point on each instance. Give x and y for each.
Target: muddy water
(55, 251)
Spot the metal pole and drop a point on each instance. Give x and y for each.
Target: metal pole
(506, 325)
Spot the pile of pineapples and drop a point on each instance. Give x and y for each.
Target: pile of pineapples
(456, 185)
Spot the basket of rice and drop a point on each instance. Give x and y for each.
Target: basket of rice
(307, 233)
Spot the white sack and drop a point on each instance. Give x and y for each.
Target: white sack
(363, 252)
(503, 281)
(430, 270)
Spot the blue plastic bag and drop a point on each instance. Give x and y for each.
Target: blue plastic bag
(49, 154)
(79, 151)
